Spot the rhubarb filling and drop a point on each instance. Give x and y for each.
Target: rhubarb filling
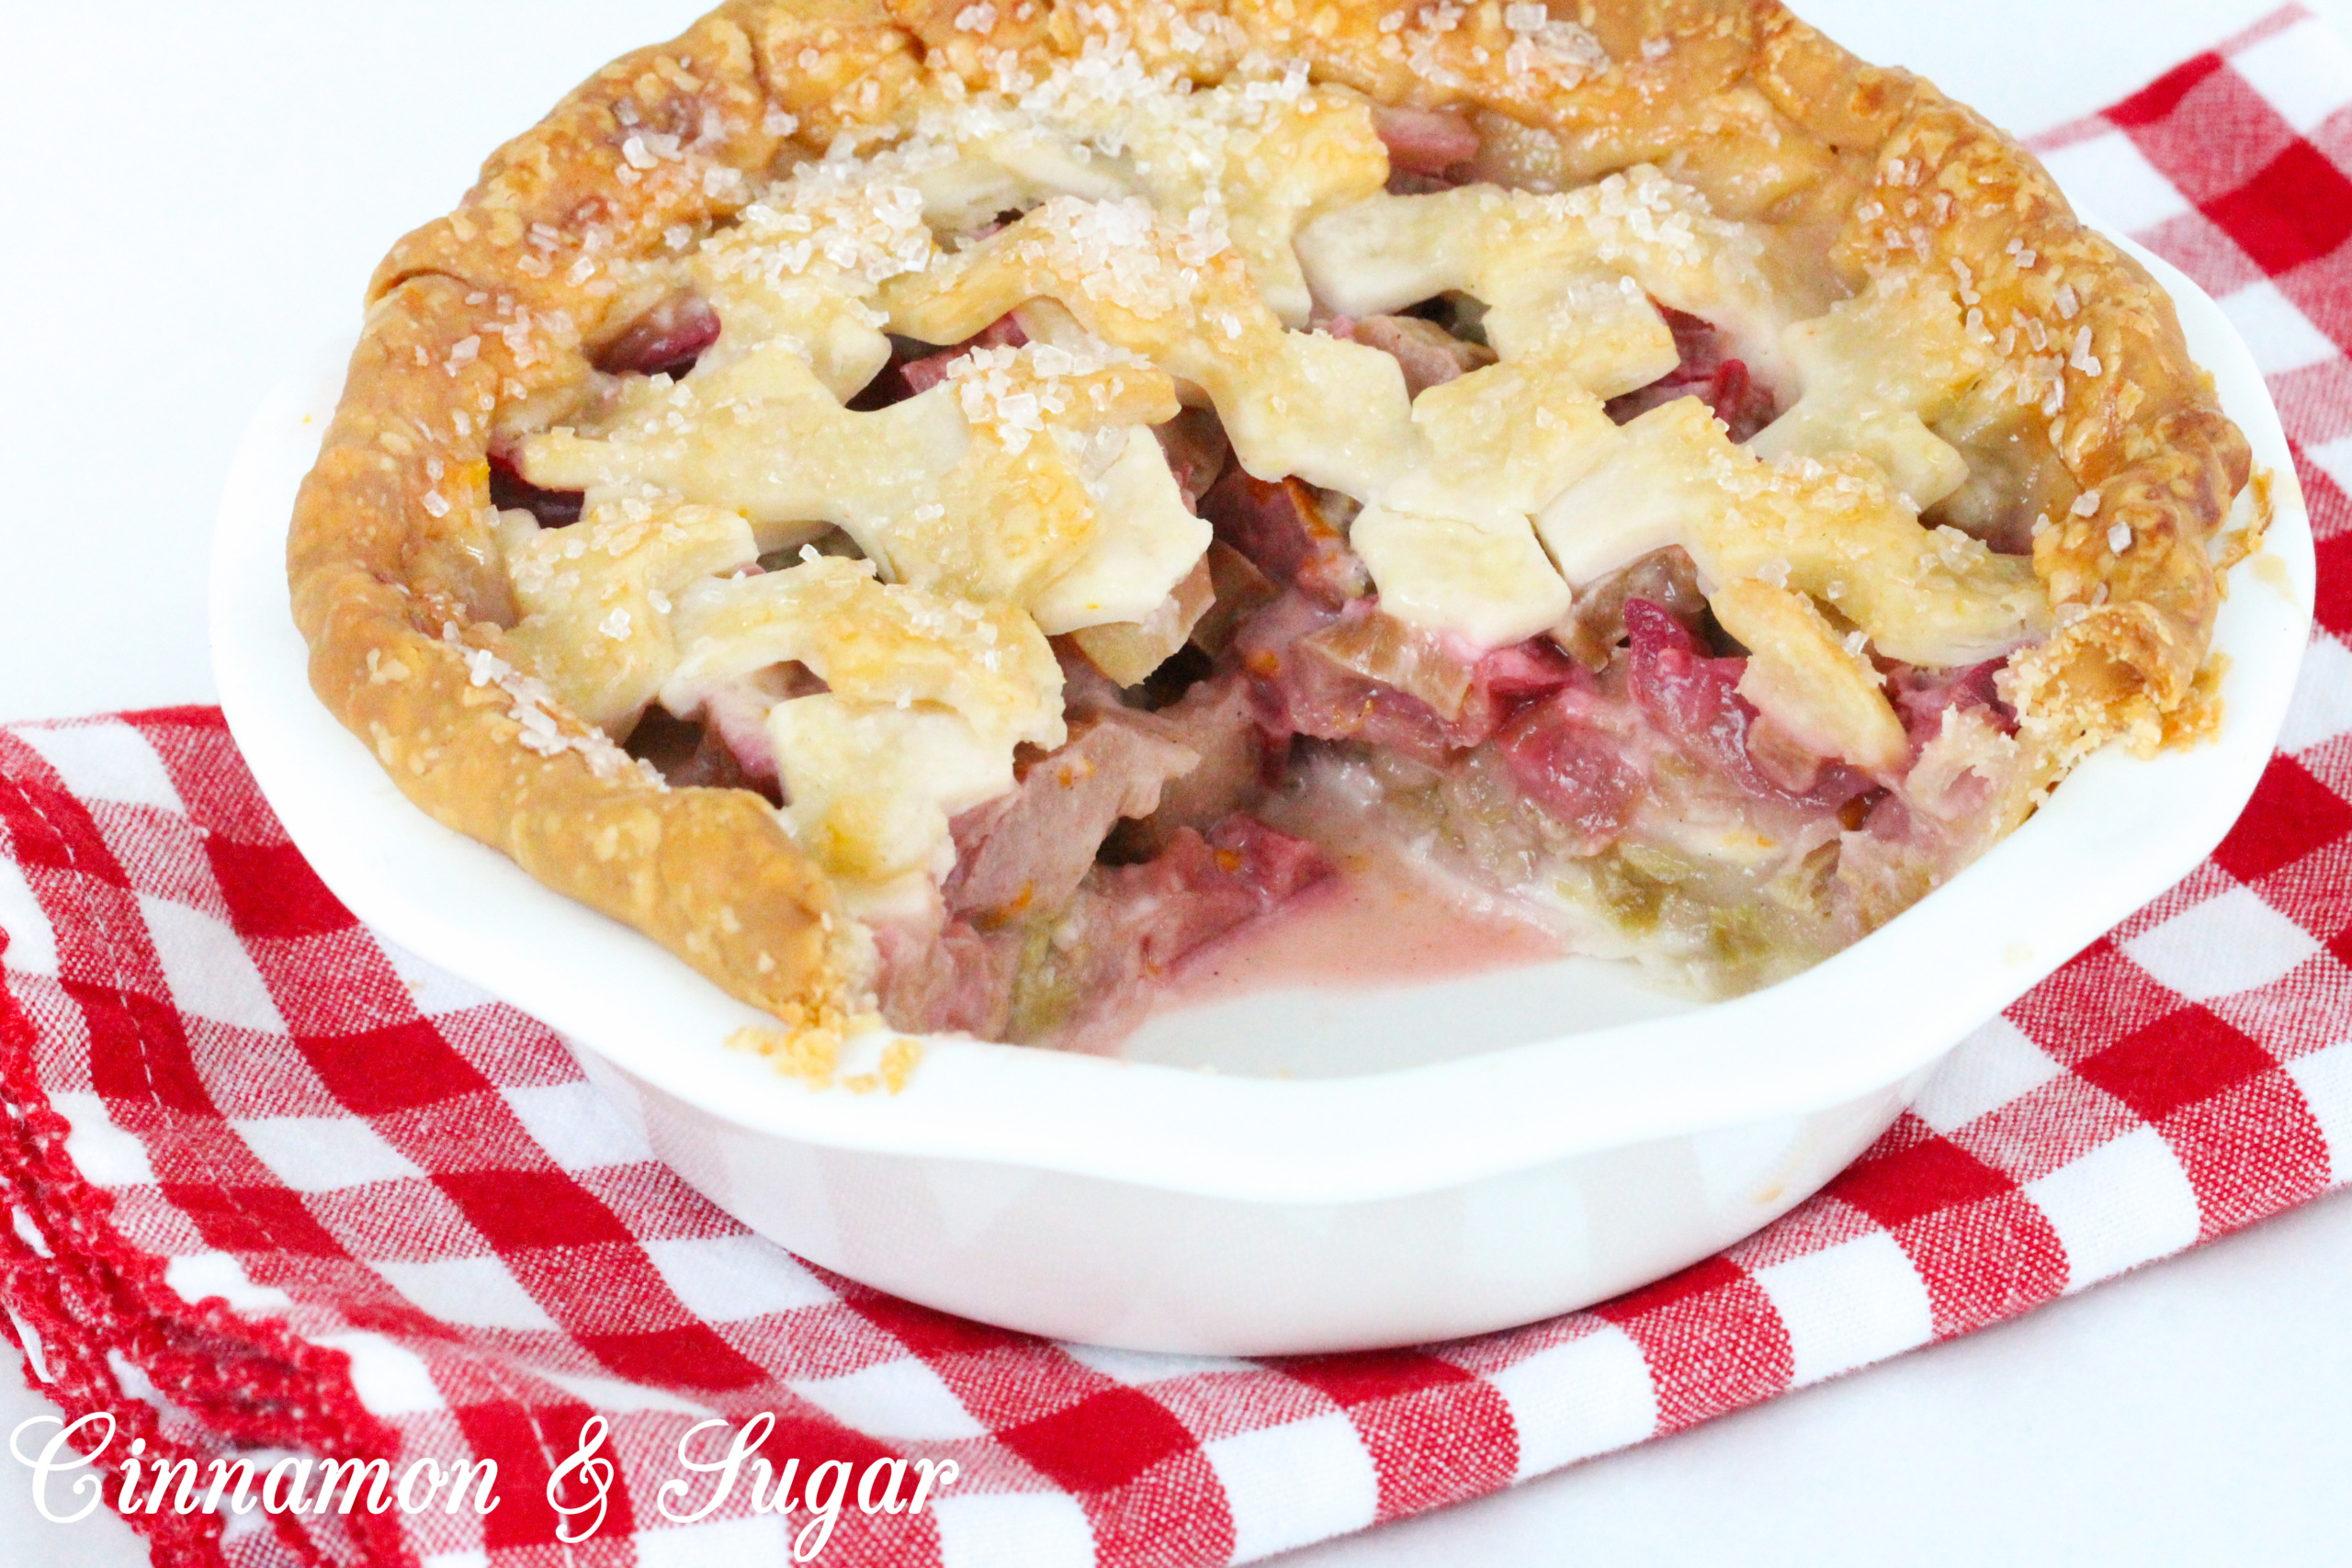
(1616, 630)
(1602, 788)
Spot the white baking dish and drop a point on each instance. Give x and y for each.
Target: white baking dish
(1352, 1169)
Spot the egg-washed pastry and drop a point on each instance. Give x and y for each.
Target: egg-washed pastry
(942, 510)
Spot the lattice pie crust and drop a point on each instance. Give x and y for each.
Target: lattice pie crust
(1123, 212)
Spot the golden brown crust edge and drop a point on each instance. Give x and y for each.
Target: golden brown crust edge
(400, 653)
(2134, 426)
(498, 305)
(1904, 178)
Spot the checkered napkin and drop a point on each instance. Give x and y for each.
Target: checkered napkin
(280, 1192)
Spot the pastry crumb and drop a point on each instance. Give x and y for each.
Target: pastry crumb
(809, 1054)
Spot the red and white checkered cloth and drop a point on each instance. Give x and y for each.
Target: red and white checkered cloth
(279, 1189)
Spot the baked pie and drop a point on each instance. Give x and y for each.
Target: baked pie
(942, 511)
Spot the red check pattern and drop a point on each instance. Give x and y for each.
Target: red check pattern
(281, 1189)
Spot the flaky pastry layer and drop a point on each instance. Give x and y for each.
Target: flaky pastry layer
(488, 320)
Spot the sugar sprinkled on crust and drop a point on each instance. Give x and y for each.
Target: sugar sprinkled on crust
(539, 718)
(677, 155)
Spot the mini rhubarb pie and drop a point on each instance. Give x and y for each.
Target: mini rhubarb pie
(942, 514)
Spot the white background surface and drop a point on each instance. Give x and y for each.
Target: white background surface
(192, 199)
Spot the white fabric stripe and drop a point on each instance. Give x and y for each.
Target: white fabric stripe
(2112, 176)
(2123, 1204)
(1290, 1485)
(727, 1279)
(1572, 1401)
(2321, 710)
(32, 943)
(102, 1152)
(2334, 458)
(2304, 72)
(207, 968)
(2325, 1079)
(435, 989)
(2282, 337)
(480, 1293)
(2225, 944)
(1138, 1368)
(1016, 1529)
(202, 1274)
(612, 1394)
(389, 1379)
(578, 1126)
(900, 1398)
(1847, 1305)
(106, 762)
(1994, 1067)
(766, 1538)
(323, 1154)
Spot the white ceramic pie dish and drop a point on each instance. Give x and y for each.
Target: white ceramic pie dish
(1354, 1170)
